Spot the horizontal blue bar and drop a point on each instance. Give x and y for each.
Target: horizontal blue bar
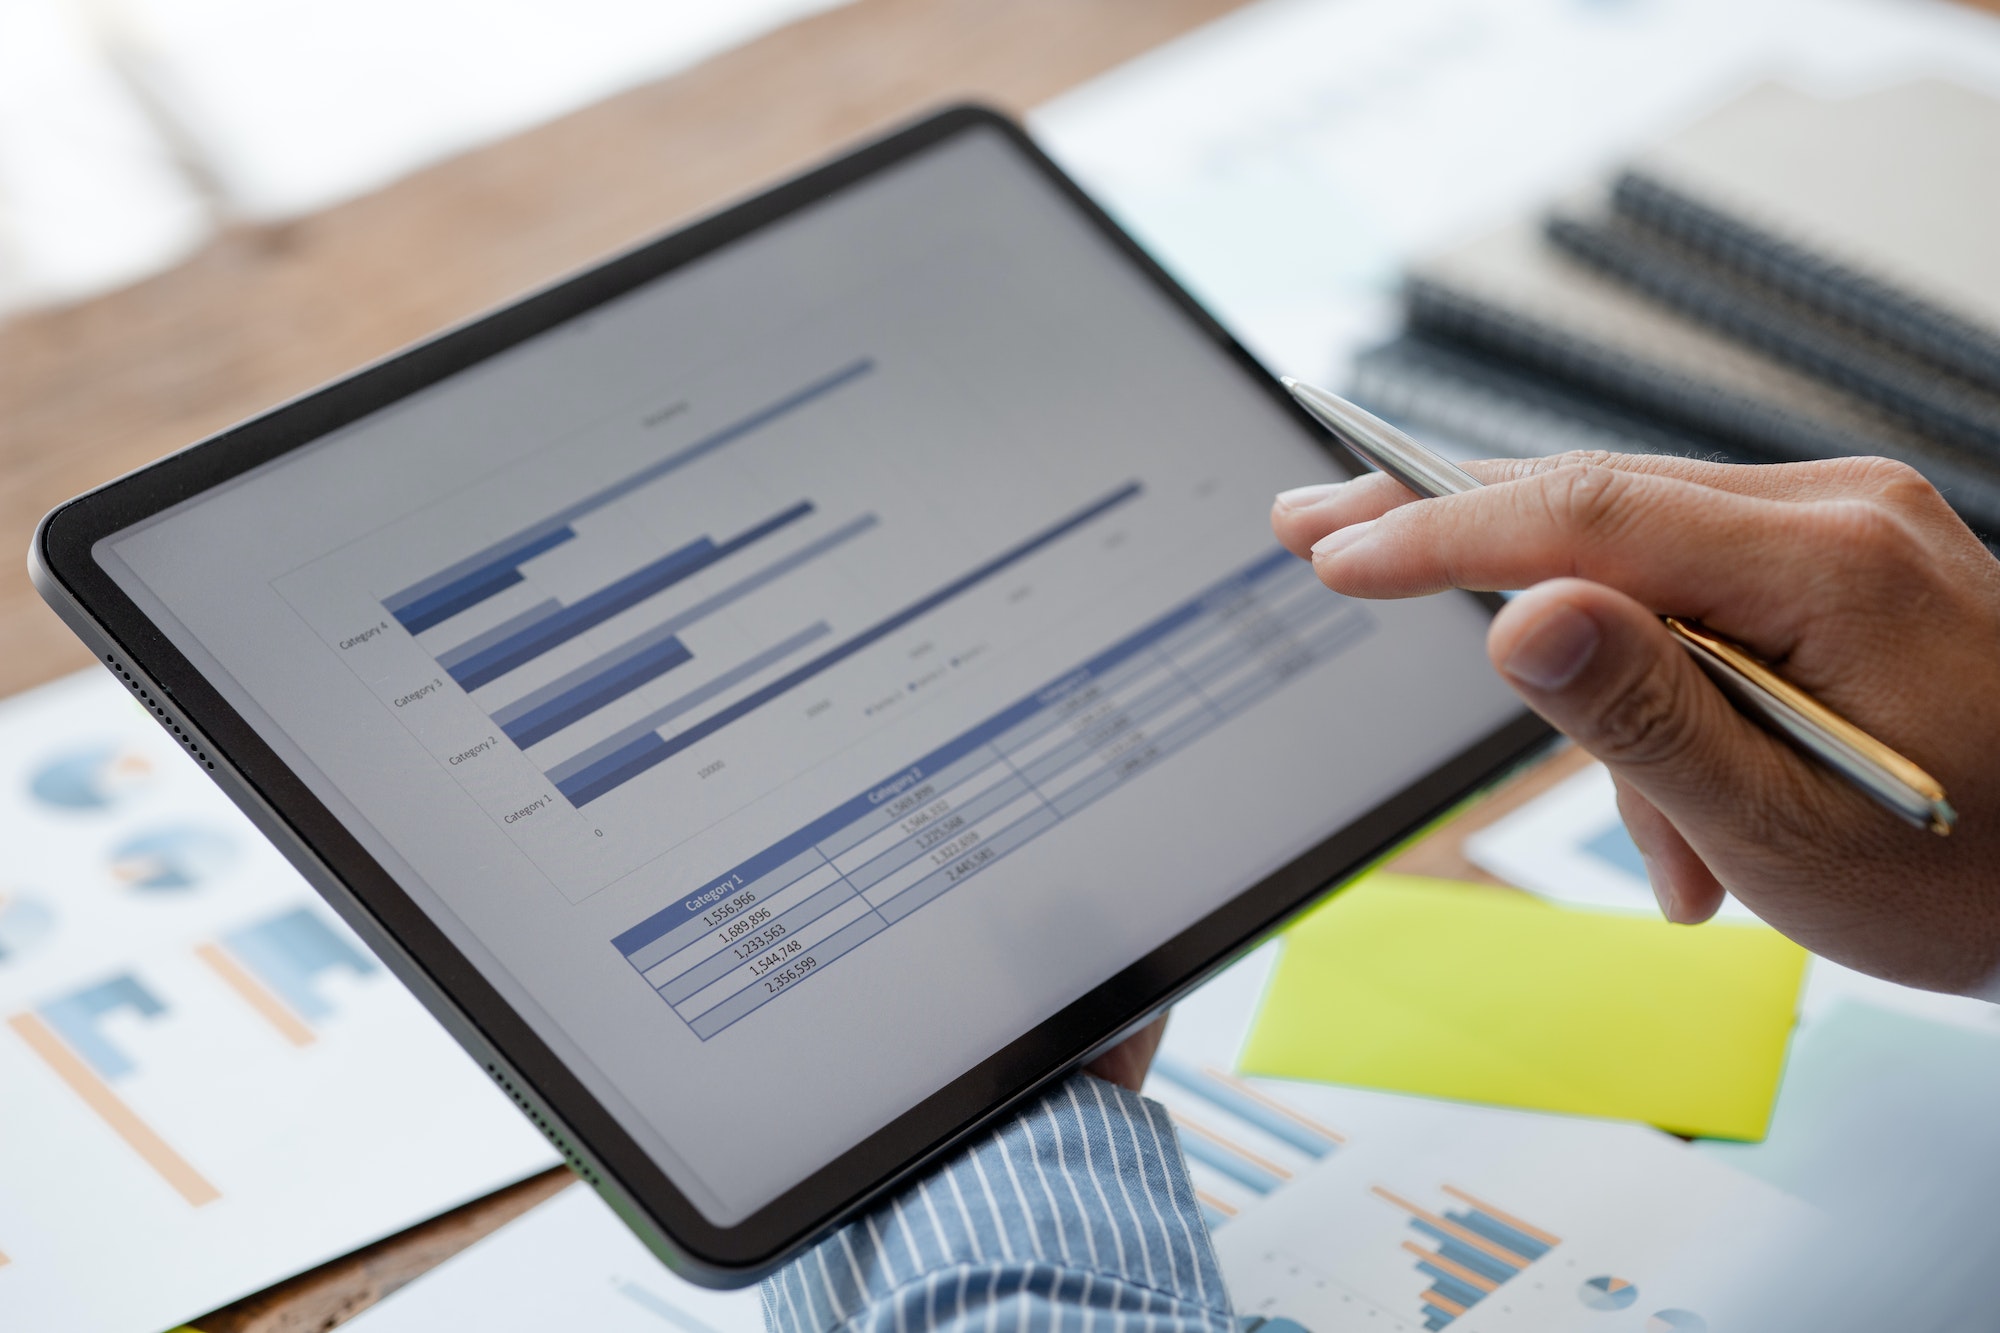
(614, 682)
(603, 756)
(645, 753)
(1454, 1289)
(477, 585)
(507, 552)
(1479, 1261)
(1239, 1169)
(76, 1017)
(508, 714)
(1233, 1100)
(553, 631)
(1485, 1224)
(566, 622)
(506, 629)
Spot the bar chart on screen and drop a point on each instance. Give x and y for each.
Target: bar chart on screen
(621, 640)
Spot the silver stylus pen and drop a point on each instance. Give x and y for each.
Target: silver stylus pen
(1756, 689)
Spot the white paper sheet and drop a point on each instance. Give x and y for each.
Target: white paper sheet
(1287, 161)
(292, 104)
(207, 1083)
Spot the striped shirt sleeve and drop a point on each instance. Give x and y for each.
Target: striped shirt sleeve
(1076, 1217)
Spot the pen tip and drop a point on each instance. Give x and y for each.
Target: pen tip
(1290, 383)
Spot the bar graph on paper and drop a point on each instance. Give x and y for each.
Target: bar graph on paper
(1468, 1249)
(98, 1040)
(1334, 1257)
(1242, 1142)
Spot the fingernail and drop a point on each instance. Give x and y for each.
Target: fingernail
(1342, 538)
(1555, 652)
(1300, 497)
(1663, 894)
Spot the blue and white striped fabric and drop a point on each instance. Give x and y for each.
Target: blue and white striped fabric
(1076, 1218)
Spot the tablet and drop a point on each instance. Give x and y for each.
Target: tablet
(787, 694)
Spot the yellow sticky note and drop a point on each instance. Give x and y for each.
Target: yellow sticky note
(1452, 990)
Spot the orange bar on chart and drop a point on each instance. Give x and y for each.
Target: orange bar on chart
(123, 1120)
(255, 994)
(1524, 1228)
(1455, 1231)
(1459, 1271)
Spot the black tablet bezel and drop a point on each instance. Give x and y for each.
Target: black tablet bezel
(420, 953)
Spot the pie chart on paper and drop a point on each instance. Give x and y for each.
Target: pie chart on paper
(1608, 1293)
(1676, 1321)
(172, 859)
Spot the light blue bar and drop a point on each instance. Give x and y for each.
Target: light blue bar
(589, 671)
(503, 548)
(694, 698)
(1239, 1169)
(501, 632)
(75, 1018)
(1244, 1107)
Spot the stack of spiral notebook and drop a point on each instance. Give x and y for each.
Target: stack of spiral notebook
(1792, 277)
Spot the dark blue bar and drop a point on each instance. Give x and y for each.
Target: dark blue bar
(1466, 1256)
(504, 571)
(555, 630)
(1218, 1158)
(1485, 1224)
(615, 682)
(509, 552)
(1243, 1106)
(651, 750)
(1455, 1289)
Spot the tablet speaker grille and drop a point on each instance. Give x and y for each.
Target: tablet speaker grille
(153, 705)
(549, 1132)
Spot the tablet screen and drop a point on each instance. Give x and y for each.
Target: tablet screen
(794, 680)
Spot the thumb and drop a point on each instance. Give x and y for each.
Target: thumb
(1606, 672)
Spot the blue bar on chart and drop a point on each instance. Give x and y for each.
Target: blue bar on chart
(1241, 1142)
(566, 622)
(290, 951)
(438, 597)
(77, 1019)
(722, 682)
(582, 784)
(578, 694)
(1477, 1249)
(542, 713)
(759, 929)
(67, 1035)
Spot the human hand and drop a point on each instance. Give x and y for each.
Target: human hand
(1852, 576)
(1126, 1063)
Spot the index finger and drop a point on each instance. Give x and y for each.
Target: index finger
(1674, 545)
(1301, 517)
